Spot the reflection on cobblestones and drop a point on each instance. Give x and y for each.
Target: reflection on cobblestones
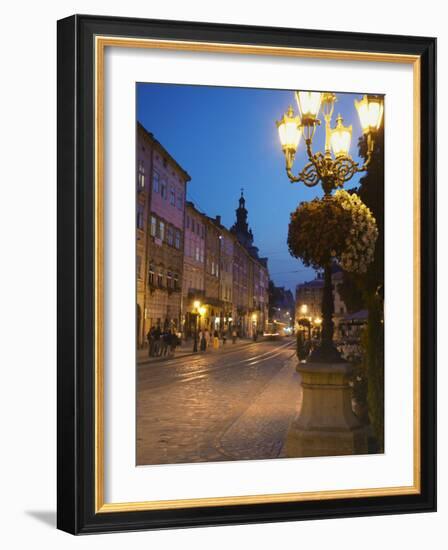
(213, 408)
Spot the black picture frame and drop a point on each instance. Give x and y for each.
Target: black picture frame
(76, 254)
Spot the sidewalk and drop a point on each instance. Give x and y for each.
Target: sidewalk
(261, 431)
(186, 350)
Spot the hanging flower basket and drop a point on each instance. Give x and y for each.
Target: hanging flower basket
(338, 226)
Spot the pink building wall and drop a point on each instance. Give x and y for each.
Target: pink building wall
(169, 182)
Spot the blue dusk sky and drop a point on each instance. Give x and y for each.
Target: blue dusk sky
(226, 139)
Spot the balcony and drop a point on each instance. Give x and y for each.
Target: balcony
(196, 294)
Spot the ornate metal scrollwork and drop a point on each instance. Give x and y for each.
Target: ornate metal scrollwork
(344, 168)
(332, 173)
(309, 175)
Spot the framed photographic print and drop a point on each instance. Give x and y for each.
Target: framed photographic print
(246, 274)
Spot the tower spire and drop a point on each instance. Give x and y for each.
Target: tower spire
(242, 200)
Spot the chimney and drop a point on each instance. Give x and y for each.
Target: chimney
(218, 220)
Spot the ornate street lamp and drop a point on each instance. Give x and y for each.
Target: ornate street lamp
(332, 168)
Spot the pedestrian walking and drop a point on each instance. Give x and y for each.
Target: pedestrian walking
(203, 341)
(215, 340)
(150, 338)
(173, 343)
(165, 343)
(224, 337)
(234, 335)
(157, 342)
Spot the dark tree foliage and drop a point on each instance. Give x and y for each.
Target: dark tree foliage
(371, 191)
(350, 290)
(370, 287)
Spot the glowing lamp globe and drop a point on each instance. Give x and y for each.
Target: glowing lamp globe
(289, 131)
(309, 105)
(370, 111)
(341, 137)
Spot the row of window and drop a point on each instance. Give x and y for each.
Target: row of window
(165, 232)
(213, 268)
(141, 175)
(196, 227)
(192, 250)
(158, 277)
(160, 185)
(227, 293)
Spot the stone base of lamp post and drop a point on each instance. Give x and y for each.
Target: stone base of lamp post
(326, 425)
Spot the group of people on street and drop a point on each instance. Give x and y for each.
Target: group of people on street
(162, 343)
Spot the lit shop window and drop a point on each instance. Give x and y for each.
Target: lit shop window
(155, 181)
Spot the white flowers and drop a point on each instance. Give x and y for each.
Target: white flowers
(361, 240)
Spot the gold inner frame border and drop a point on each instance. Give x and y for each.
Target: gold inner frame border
(101, 42)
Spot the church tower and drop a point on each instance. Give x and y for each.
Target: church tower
(241, 227)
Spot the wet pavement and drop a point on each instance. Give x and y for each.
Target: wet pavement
(231, 405)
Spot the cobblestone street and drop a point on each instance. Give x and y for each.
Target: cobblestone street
(227, 405)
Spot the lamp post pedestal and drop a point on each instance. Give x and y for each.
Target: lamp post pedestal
(326, 424)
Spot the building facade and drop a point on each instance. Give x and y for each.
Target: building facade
(160, 236)
(193, 287)
(261, 295)
(191, 271)
(240, 289)
(212, 301)
(226, 251)
(250, 277)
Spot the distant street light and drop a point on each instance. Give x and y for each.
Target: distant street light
(254, 326)
(197, 307)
